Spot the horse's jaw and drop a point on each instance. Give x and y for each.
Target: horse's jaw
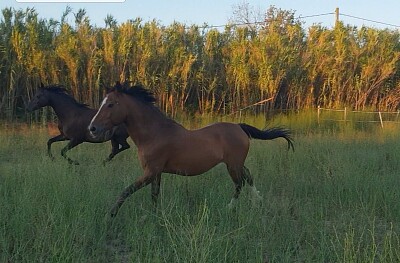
(104, 135)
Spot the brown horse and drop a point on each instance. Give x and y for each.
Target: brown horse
(73, 120)
(164, 146)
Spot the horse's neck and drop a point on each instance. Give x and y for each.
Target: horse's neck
(63, 108)
(147, 124)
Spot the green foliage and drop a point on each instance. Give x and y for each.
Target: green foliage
(335, 199)
(200, 70)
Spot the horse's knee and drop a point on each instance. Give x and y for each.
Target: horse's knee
(155, 188)
(63, 152)
(155, 191)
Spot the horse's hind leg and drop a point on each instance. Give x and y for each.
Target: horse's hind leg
(239, 180)
(254, 192)
(124, 144)
(239, 177)
(116, 149)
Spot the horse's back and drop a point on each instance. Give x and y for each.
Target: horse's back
(233, 140)
(225, 132)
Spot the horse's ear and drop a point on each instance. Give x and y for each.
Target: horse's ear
(108, 90)
(126, 84)
(118, 86)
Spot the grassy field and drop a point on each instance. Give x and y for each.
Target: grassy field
(335, 199)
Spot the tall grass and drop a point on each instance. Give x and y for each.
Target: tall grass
(335, 199)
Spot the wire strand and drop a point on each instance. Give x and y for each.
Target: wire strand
(300, 17)
(370, 20)
(309, 16)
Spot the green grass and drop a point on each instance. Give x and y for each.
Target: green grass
(335, 199)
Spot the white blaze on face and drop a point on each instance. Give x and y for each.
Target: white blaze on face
(101, 106)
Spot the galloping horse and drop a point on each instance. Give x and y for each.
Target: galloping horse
(73, 120)
(164, 146)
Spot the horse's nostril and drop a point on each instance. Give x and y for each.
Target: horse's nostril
(92, 128)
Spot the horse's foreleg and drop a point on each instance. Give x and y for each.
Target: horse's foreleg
(69, 146)
(57, 138)
(155, 189)
(139, 183)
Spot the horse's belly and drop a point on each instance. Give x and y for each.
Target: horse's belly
(192, 164)
(189, 170)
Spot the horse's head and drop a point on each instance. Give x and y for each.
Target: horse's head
(39, 100)
(110, 114)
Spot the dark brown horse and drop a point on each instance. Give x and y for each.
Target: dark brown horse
(73, 120)
(164, 146)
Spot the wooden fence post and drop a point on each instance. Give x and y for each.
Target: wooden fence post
(345, 118)
(380, 118)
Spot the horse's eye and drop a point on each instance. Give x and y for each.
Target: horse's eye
(110, 105)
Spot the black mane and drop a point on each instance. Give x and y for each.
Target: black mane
(137, 91)
(56, 88)
(61, 90)
(143, 95)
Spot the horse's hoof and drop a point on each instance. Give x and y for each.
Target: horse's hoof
(255, 202)
(232, 204)
(142, 219)
(114, 212)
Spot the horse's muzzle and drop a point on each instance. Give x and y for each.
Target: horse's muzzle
(95, 131)
(98, 132)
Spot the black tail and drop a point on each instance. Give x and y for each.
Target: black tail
(267, 134)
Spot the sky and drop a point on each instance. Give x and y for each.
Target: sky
(219, 12)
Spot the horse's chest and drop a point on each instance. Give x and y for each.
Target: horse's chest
(74, 129)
